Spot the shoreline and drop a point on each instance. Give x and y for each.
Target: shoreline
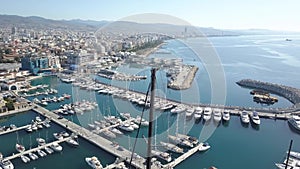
(149, 51)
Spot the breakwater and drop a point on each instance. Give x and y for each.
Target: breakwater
(290, 93)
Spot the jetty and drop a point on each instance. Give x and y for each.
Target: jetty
(13, 129)
(184, 78)
(183, 157)
(93, 138)
(290, 93)
(36, 148)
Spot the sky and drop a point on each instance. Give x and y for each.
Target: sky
(222, 14)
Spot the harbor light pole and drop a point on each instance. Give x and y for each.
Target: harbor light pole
(153, 81)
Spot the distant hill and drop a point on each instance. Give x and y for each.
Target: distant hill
(121, 26)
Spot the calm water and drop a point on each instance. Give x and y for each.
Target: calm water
(266, 58)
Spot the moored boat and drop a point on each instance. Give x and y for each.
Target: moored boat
(217, 115)
(172, 147)
(25, 159)
(93, 162)
(56, 147)
(6, 164)
(198, 113)
(226, 115)
(162, 155)
(204, 146)
(245, 117)
(207, 113)
(255, 118)
(20, 148)
(295, 122)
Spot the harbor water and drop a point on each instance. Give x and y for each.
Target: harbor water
(233, 145)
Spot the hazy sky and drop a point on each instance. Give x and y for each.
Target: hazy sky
(228, 14)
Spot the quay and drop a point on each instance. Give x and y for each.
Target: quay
(183, 157)
(234, 110)
(93, 138)
(13, 130)
(35, 149)
(184, 78)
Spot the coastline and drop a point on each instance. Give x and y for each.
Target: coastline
(149, 51)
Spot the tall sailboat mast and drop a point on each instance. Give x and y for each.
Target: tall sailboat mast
(153, 81)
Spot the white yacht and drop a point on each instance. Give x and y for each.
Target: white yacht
(180, 141)
(56, 147)
(126, 127)
(295, 154)
(141, 120)
(207, 113)
(162, 155)
(25, 159)
(20, 148)
(295, 122)
(198, 113)
(245, 117)
(48, 150)
(189, 112)
(217, 115)
(204, 146)
(41, 153)
(72, 142)
(292, 163)
(6, 164)
(255, 118)
(226, 115)
(191, 139)
(172, 147)
(58, 136)
(41, 141)
(33, 156)
(93, 162)
(178, 109)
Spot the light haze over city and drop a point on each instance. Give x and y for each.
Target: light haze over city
(227, 14)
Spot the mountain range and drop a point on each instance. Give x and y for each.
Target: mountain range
(91, 25)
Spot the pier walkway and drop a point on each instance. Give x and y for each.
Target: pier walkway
(36, 148)
(95, 139)
(183, 157)
(13, 130)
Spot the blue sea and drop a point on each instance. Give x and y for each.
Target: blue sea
(233, 145)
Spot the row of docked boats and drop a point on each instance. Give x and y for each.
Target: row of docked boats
(293, 162)
(95, 163)
(7, 128)
(42, 152)
(76, 108)
(37, 124)
(245, 117)
(45, 92)
(112, 126)
(46, 100)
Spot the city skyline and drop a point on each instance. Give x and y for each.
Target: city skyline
(230, 14)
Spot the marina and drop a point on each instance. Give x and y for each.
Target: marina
(272, 121)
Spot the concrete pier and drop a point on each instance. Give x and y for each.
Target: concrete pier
(13, 130)
(93, 138)
(184, 79)
(35, 149)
